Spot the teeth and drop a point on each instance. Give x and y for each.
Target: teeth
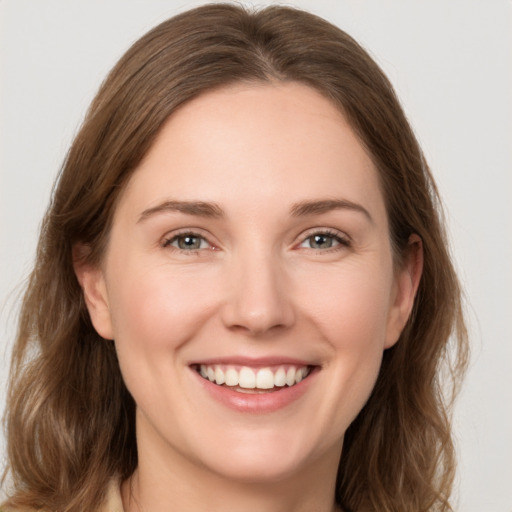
(219, 376)
(246, 378)
(265, 379)
(290, 376)
(249, 378)
(280, 378)
(231, 377)
(300, 375)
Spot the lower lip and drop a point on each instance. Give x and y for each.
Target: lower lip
(256, 402)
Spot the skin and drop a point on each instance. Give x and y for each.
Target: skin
(257, 286)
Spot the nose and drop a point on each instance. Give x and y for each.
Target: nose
(259, 297)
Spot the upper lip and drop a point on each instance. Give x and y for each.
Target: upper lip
(253, 362)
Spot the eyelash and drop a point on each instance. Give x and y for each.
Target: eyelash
(342, 241)
(167, 242)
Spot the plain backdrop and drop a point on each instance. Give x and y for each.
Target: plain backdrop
(451, 63)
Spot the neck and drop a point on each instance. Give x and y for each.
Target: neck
(142, 496)
(157, 487)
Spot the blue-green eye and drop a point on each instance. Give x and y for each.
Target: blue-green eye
(323, 241)
(187, 242)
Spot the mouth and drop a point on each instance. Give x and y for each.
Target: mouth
(246, 379)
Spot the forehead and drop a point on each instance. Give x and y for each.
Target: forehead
(260, 141)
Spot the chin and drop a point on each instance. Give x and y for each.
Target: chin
(266, 459)
(262, 472)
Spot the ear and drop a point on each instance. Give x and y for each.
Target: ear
(407, 280)
(92, 281)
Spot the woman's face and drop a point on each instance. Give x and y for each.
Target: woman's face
(250, 248)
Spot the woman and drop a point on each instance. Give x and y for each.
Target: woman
(242, 297)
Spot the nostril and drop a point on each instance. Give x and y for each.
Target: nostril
(257, 322)
(258, 329)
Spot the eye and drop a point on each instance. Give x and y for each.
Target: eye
(188, 242)
(324, 240)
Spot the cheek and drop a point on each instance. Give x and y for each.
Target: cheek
(352, 315)
(159, 309)
(351, 306)
(153, 315)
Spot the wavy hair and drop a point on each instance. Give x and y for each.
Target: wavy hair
(70, 421)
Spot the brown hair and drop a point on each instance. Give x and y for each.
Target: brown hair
(70, 420)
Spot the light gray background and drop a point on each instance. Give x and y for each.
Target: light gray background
(451, 63)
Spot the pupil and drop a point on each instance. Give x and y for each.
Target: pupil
(189, 242)
(322, 241)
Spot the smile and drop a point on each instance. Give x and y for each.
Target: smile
(245, 379)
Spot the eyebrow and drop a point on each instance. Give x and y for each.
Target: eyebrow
(197, 208)
(305, 208)
(213, 210)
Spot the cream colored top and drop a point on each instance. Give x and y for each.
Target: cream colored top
(113, 503)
